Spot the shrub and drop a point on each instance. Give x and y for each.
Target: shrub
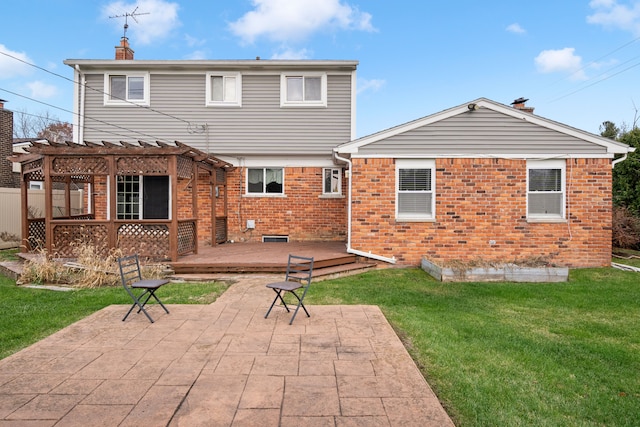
(626, 228)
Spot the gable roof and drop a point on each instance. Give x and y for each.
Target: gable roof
(483, 128)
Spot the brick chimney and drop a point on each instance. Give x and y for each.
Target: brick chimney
(124, 51)
(519, 104)
(6, 147)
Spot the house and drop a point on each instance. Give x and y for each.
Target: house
(274, 158)
(482, 181)
(271, 126)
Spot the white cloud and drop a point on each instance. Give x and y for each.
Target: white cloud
(11, 67)
(289, 53)
(197, 54)
(613, 14)
(42, 90)
(154, 19)
(561, 60)
(373, 85)
(294, 20)
(516, 28)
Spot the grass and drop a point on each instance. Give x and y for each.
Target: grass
(28, 315)
(507, 354)
(496, 354)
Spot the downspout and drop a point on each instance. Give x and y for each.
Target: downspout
(621, 159)
(349, 248)
(80, 119)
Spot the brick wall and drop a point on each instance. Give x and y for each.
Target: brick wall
(302, 214)
(479, 201)
(7, 177)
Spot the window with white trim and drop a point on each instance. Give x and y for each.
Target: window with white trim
(546, 189)
(331, 181)
(265, 181)
(224, 89)
(126, 89)
(142, 197)
(415, 189)
(303, 90)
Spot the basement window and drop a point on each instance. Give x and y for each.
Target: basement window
(275, 239)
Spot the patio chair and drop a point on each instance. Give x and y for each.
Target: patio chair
(133, 283)
(298, 276)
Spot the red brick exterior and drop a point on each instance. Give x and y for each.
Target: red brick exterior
(484, 200)
(302, 214)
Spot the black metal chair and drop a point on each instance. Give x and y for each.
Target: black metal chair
(298, 276)
(133, 282)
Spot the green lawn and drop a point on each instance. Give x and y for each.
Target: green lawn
(496, 354)
(508, 354)
(28, 315)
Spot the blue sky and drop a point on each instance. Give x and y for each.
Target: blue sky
(576, 60)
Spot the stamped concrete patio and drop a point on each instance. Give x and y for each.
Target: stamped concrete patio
(221, 364)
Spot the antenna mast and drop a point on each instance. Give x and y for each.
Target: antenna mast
(126, 18)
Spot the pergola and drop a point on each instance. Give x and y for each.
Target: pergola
(155, 199)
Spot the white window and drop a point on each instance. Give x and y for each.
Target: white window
(546, 189)
(126, 88)
(265, 181)
(415, 190)
(224, 89)
(303, 90)
(331, 181)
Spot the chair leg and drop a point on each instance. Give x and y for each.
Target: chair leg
(153, 294)
(278, 296)
(300, 304)
(141, 306)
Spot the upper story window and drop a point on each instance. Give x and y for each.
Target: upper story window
(546, 182)
(126, 88)
(265, 181)
(332, 181)
(224, 89)
(303, 90)
(415, 186)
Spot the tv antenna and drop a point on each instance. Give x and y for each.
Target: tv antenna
(126, 18)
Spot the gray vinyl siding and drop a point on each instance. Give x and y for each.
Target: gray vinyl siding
(260, 127)
(481, 132)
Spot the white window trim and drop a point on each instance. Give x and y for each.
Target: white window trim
(323, 91)
(237, 103)
(332, 193)
(107, 89)
(416, 164)
(263, 194)
(549, 164)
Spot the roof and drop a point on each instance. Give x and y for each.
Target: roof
(249, 65)
(483, 127)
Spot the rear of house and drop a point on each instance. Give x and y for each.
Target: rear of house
(275, 121)
(482, 182)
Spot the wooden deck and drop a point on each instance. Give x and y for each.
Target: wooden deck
(329, 257)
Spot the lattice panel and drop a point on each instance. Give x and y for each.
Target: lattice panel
(185, 167)
(68, 236)
(221, 176)
(80, 165)
(148, 241)
(221, 230)
(186, 237)
(33, 166)
(37, 234)
(134, 165)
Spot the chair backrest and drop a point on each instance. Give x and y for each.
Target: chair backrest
(129, 269)
(299, 269)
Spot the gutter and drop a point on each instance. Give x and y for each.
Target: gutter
(350, 250)
(623, 158)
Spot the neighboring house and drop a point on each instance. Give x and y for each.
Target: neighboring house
(8, 179)
(482, 182)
